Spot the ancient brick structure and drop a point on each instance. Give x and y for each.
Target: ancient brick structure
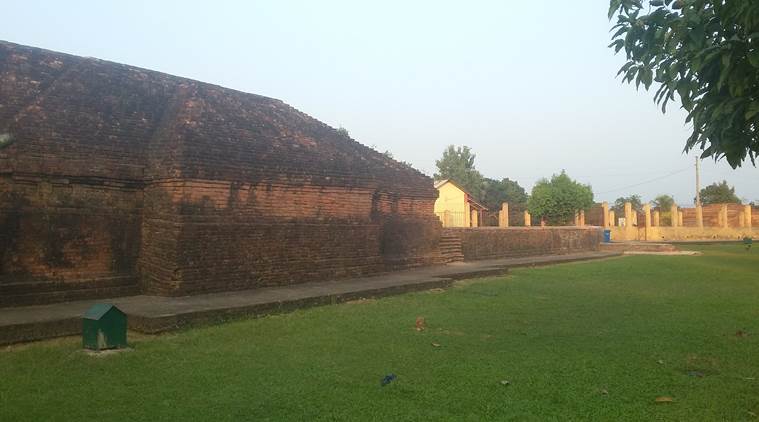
(493, 242)
(115, 179)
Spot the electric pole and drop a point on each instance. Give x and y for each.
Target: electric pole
(698, 181)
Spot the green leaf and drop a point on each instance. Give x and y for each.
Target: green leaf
(625, 68)
(753, 58)
(613, 7)
(619, 32)
(647, 78)
(753, 110)
(727, 60)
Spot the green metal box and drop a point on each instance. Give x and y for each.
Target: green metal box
(104, 326)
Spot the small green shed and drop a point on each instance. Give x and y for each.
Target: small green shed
(104, 326)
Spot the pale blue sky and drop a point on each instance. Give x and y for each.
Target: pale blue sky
(528, 85)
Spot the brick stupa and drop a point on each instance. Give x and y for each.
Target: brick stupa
(116, 180)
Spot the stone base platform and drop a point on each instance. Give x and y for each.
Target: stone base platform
(154, 314)
(638, 247)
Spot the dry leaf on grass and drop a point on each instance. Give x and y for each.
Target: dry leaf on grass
(664, 399)
(435, 344)
(421, 324)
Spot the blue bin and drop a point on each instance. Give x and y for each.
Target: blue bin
(607, 236)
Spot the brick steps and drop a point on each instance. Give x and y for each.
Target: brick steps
(450, 248)
(42, 293)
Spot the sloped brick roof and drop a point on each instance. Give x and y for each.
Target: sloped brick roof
(82, 117)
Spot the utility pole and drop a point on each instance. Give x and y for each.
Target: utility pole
(698, 181)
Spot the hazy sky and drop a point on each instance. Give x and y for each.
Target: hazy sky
(528, 85)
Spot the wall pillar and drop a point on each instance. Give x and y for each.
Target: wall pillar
(628, 215)
(679, 218)
(582, 218)
(577, 218)
(527, 222)
(657, 218)
(647, 217)
(446, 218)
(647, 212)
(699, 216)
(742, 219)
(725, 223)
(674, 216)
(612, 219)
(475, 218)
(503, 215)
(747, 215)
(605, 207)
(631, 232)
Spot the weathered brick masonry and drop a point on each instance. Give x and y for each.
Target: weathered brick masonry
(111, 174)
(493, 242)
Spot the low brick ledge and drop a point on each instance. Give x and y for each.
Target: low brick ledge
(156, 314)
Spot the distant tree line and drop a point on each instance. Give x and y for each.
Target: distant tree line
(554, 200)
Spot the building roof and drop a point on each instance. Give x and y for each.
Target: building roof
(469, 196)
(76, 116)
(98, 310)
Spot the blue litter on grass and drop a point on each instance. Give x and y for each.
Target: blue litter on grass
(388, 379)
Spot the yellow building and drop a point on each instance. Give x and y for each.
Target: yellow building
(456, 207)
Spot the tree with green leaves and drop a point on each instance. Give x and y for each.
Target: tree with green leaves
(634, 200)
(719, 193)
(663, 203)
(506, 190)
(558, 199)
(457, 164)
(705, 52)
(344, 132)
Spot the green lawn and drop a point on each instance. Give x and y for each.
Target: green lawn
(598, 340)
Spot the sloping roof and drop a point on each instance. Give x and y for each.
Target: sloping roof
(98, 310)
(469, 196)
(86, 117)
(476, 204)
(440, 183)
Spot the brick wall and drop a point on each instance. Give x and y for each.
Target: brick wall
(711, 215)
(216, 236)
(595, 215)
(189, 187)
(689, 217)
(491, 242)
(60, 231)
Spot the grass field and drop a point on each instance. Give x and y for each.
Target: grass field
(598, 340)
